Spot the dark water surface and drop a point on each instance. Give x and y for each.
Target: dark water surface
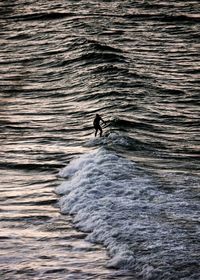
(127, 205)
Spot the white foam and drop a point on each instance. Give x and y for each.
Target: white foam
(120, 207)
(110, 138)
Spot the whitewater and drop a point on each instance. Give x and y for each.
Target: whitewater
(143, 226)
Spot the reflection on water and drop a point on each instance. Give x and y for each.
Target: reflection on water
(137, 63)
(38, 242)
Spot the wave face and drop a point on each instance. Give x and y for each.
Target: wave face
(135, 190)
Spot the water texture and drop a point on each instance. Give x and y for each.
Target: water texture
(124, 206)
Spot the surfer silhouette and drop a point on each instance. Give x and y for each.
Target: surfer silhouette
(97, 125)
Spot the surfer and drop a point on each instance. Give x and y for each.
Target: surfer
(97, 125)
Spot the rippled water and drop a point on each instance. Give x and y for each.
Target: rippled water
(127, 205)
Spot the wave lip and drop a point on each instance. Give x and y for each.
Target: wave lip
(144, 228)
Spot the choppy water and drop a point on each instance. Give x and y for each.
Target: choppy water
(125, 206)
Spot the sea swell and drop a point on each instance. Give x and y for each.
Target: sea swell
(136, 189)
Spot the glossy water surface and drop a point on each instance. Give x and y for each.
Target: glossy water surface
(137, 64)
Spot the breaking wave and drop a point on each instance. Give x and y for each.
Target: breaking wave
(120, 206)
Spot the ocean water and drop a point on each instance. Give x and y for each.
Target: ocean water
(123, 206)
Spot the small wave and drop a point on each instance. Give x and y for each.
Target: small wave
(175, 92)
(103, 47)
(41, 16)
(165, 17)
(127, 124)
(110, 69)
(181, 17)
(91, 51)
(103, 56)
(30, 166)
(90, 56)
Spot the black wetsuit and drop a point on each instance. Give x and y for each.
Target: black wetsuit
(97, 124)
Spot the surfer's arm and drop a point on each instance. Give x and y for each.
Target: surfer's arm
(103, 121)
